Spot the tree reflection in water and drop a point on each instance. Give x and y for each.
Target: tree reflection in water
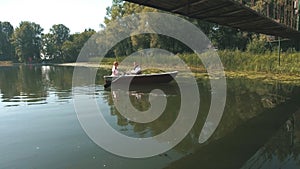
(282, 150)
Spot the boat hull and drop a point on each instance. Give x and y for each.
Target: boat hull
(141, 79)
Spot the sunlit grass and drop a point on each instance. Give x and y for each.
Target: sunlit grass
(6, 63)
(236, 64)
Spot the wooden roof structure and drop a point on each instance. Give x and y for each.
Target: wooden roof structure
(224, 12)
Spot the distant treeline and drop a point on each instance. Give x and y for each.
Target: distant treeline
(27, 43)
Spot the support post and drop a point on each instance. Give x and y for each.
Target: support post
(279, 50)
(298, 16)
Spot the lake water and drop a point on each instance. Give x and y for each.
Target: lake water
(39, 126)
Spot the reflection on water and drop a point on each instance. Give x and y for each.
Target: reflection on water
(140, 101)
(39, 128)
(282, 150)
(34, 84)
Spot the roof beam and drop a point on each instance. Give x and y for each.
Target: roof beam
(178, 8)
(209, 10)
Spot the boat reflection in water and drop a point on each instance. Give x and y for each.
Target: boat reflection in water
(140, 98)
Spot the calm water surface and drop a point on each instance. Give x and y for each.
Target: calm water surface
(39, 127)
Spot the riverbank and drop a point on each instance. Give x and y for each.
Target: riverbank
(271, 78)
(268, 77)
(6, 63)
(85, 64)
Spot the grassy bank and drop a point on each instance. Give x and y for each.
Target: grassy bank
(237, 64)
(232, 61)
(268, 62)
(246, 61)
(263, 67)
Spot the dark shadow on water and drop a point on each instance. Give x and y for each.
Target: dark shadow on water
(234, 149)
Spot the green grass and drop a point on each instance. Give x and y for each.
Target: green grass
(268, 62)
(150, 71)
(233, 61)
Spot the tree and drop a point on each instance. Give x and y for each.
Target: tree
(127, 46)
(49, 47)
(114, 12)
(71, 48)
(257, 45)
(221, 37)
(53, 41)
(228, 38)
(61, 33)
(27, 41)
(6, 47)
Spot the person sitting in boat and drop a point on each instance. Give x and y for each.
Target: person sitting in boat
(114, 70)
(136, 69)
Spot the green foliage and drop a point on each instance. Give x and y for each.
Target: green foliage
(28, 42)
(267, 62)
(60, 46)
(53, 42)
(232, 60)
(49, 47)
(227, 38)
(257, 46)
(6, 47)
(71, 48)
(150, 71)
(60, 33)
(282, 11)
(222, 37)
(129, 45)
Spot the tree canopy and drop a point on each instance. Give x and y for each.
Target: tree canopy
(28, 44)
(6, 47)
(220, 36)
(53, 42)
(27, 41)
